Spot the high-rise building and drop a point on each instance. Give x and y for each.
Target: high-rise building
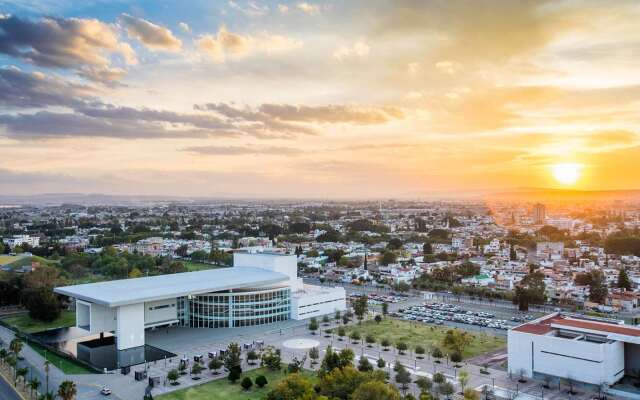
(539, 213)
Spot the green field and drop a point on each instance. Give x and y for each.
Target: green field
(425, 335)
(26, 324)
(6, 259)
(196, 266)
(65, 365)
(222, 389)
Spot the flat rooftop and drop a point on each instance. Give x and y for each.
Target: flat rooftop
(152, 288)
(553, 322)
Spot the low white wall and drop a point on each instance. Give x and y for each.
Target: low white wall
(160, 311)
(312, 304)
(130, 326)
(103, 319)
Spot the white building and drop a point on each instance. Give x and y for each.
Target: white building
(260, 288)
(18, 240)
(572, 347)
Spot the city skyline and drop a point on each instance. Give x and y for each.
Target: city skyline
(318, 99)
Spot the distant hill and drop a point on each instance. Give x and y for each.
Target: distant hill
(546, 194)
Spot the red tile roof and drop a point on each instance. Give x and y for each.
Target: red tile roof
(597, 326)
(534, 329)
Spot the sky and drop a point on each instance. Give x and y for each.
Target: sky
(318, 99)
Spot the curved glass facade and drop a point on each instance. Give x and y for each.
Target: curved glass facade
(235, 309)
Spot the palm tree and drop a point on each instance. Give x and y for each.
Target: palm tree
(46, 396)
(16, 346)
(34, 384)
(46, 372)
(67, 390)
(3, 355)
(22, 374)
(12, 362)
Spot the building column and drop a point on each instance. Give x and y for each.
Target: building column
(130, 326)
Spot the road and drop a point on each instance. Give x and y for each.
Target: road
(6, 391)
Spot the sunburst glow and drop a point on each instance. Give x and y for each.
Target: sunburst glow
(567, 173)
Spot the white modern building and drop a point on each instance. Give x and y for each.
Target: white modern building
(260, 288)
(18, 240)
(594, 351)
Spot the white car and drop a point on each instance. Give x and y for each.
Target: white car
(105, 391)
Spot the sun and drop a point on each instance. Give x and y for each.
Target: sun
(566, 173)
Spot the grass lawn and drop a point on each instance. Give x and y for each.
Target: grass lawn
(26, 324)
(425, 335)
(6, 259)
(196, 266)
(222, 389)
(65, 365)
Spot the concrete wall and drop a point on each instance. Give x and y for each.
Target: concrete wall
(83, 314)
(315, 304)
(130, 326)
(103, 319)
(160, 311)
(285, 264)
(579, 360)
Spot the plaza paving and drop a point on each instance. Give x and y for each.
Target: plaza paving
(188, 342)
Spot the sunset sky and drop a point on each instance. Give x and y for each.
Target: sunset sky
(319, 98)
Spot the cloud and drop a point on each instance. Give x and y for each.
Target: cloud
(243, 150)
(283, 8)
(185, 27)
(155, 37)
(250, 9)
(19, 89)
(106, 75)
(359, 49)
(62, 42)
(332, 113)
(308, 8)
(225, 44)
(448, 67)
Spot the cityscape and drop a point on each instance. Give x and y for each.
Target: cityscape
(283, 200)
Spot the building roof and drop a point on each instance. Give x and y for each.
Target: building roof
(138, 290)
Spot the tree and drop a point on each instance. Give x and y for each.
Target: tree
(425, 384)
(446, 389)
(314, 355)
(436, 352)
(394, 244)
(296, 365)
(381, 363)
(370, 339)
(337, 316)
(375, 390)
(402, 347)
(457, 340)
(325, 320)
(271, 358)
(455, 357)
(463, 379)
(531, 290)
(196, 370)
(385, 309)
(43, 304)
(403, 377)
(252, 356)
(420, 351)
(360, 307)
(16, 347)
(293, 387)
(597, 288)
(261, 381)
(346, 357)
(67, 390)
(388, 257)
(173, 376)
(234, 374)
(427, 248)
(341, 332)
(135, 273)
(377, 318)
(385, 343)
(214, 365)
(233, 356)
(313, 325)
(623, 280)
(34, 384)
(470, 394)
(439, 378)
(364, 365)
(246, 383)
(355, 337)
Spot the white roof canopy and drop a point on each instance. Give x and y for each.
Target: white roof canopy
(138, 290)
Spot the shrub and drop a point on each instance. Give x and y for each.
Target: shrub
(455, 357)
(261, 381)
(234, 374)
(246, 383)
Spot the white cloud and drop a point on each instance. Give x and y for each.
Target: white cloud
(413, 67)
(448, 67)
(307, 8)
(155, 37)
(250, 8)
(283, 8)
(359, 49)
(185, 27)
(226, 44)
